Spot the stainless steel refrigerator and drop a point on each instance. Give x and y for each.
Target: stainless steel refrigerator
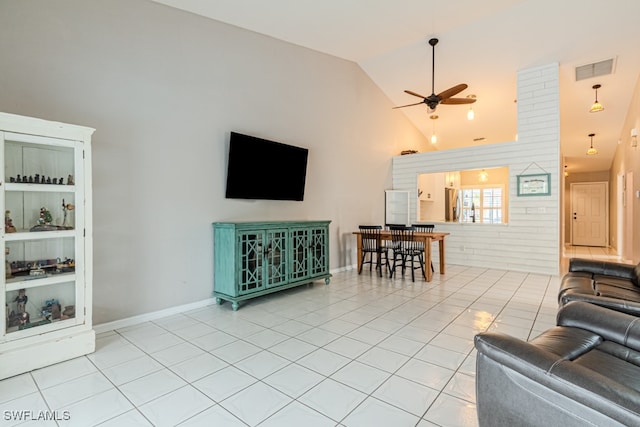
(451, 205)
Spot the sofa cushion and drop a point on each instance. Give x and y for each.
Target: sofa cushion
(606, 268)
(615, 282)
(605, 361)
(606, 290)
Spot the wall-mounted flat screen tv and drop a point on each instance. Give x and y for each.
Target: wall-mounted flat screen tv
(263, 169)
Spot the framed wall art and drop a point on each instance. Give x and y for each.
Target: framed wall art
(534, 184)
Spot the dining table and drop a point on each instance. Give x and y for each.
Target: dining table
(426, 238)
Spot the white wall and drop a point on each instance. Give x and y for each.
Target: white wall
(164, 88)
(627, 162)
(531, 239)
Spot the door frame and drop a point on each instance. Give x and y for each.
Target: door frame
(606, 208)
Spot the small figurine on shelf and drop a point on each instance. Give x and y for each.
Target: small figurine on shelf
(44, 222)
(7, 265)
(24, 318)
(66, 207)
(70, 180)
(8, 223)
(51, 306)
(45, 216)
(21, 299)
(69, 312)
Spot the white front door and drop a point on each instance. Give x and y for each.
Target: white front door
(589, 219)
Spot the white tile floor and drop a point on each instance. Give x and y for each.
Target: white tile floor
(592, 252)
(361, 352)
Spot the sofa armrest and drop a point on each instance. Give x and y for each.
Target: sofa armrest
(612, 325)
(562, 378)
(605, 268)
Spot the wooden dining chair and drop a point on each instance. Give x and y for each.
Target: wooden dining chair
(372, 245)
(406, 251)
(425, 228)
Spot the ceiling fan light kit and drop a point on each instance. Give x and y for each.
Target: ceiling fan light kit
(471, 114)
(434, 137)
(596, 107)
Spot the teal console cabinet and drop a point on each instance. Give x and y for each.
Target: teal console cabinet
(251, 259)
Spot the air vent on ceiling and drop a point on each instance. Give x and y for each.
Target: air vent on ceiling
(596, 69)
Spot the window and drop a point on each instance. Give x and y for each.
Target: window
(482, 204)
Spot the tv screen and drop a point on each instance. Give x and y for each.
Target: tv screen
(263, 169)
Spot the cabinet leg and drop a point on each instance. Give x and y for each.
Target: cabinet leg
(327, 280)
(219, 300)
(235, 305)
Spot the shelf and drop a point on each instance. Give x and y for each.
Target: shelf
(21, 282)
(13, 333)
(39, 235)
(52, 188)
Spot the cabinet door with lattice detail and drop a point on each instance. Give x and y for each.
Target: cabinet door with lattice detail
(318, 248)
(275, 252)
(299, 253)
(251, 265)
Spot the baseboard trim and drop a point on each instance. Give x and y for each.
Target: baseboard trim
(155, 315)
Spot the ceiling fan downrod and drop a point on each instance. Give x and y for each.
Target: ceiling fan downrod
(433, 42)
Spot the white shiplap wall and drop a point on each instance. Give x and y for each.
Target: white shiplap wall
(531, 239)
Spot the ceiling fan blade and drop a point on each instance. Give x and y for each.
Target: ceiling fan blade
(452, 91)
(458, 101)
(409, 105)
(415, 94)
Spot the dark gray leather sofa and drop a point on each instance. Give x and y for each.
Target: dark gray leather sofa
(584, 372)
(607, 284)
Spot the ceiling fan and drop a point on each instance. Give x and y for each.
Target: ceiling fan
(444, 97)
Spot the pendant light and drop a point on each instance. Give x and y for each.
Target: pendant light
(591, 151)
(483, 176)
(596, 107)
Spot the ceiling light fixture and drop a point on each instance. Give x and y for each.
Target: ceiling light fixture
(596, 105)
(434, 137)
(591, 151)
(483, 175)
(471, 114)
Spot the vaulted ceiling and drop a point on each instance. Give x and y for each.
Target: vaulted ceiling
(483, 44)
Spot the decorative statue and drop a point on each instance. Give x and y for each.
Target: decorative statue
(66, 207)
(45, 216)
(7, 264)
(8, 223)
(24, 318)
(21, 299)
(69, 312)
